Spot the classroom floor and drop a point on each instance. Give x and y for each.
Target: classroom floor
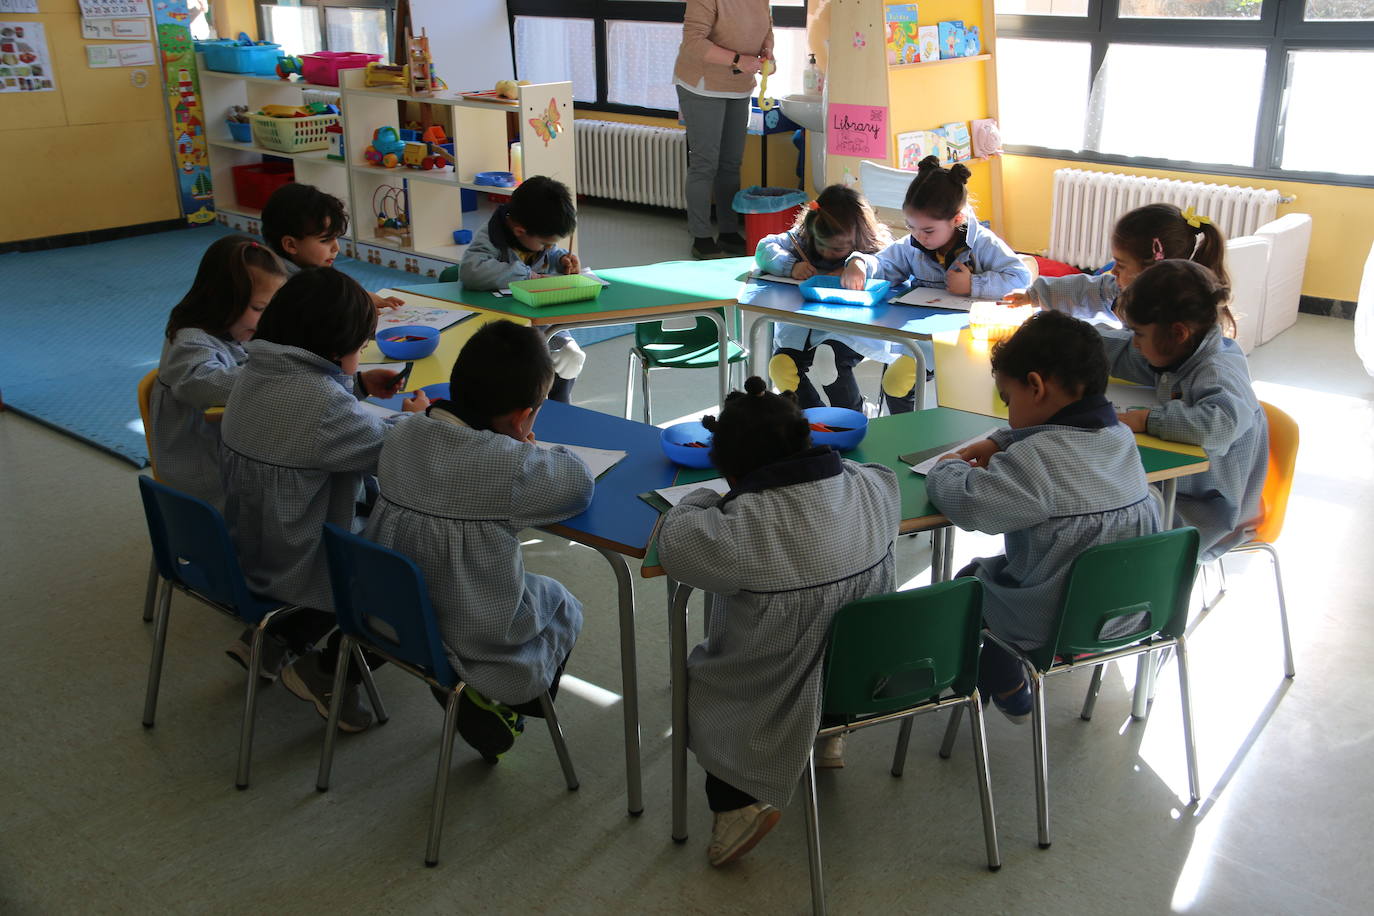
(100, 814)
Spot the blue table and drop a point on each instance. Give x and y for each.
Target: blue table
(617, 525)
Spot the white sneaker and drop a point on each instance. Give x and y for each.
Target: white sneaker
(830, 752)
(734, 833)
(823, 370)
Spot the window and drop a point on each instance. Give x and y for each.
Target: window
(1240, 87)
(619, 54)
(306, 26)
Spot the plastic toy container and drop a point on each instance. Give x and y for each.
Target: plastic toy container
(253, 184)
(828, 289)
(687, 444)
(240, 131)
(409, 341)
(322, 67)
(231, 57)
(555, 290)
(495, 179)
(847, 428)
(292, 135)
(767, 211)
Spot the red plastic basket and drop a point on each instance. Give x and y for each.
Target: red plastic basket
(253, 184)
(322, 67)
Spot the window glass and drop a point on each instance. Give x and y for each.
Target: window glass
(1042, 91)
(1322, 133)
(1338, 10)
(1042, 7)
(355, 29)
(1190, 9)
(295, 28)
(549, 50)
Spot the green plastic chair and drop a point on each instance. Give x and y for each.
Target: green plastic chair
(660, 347)
(1122, 599)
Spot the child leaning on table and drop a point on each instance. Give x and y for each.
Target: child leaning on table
(520, 242)
(457, 486)
(201, 357)
(801, 533)
(1065, 477)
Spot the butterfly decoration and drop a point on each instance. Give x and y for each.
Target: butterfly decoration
(859, 40)
(550, 124)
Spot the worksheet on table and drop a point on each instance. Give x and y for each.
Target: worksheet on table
(597, 460)
(674, 495)
(935, 298)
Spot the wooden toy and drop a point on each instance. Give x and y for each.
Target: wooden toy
(421, 73)
(393, 214)
(376, 75)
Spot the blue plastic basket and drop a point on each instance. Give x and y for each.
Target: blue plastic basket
(240, 131)
(828, 289)
(228, 57)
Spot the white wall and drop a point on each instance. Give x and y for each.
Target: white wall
(469, 40)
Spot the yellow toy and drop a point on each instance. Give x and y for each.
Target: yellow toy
(376, 75)
(286, 111)
(421, 68)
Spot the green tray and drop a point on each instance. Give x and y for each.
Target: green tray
(555, 290)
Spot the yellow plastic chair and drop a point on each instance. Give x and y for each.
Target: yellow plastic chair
(145, 400)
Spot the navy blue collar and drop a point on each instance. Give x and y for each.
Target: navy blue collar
(1092, 412)
(816, 463)
(473, 421)
(959, 247)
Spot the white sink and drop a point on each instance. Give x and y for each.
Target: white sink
(809, 112)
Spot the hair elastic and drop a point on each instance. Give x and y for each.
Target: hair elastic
(812, 205)
(1157, 249)
(1191, 217)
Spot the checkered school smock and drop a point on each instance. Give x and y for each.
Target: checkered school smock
(1207, 401)
(296, 447)
(454, 500)
(1054, 491)
(197, 370)
(780, 554)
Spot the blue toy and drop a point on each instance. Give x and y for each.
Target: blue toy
(386, 149)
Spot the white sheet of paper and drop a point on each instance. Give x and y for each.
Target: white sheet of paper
(760, 275)
(924, 467)
(935, 298)
(591, 276)
(597, 460)
(674, 495)
(423, 315)
(394, 367)
(1125, 396)
(379, 409)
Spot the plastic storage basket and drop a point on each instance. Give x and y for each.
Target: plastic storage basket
(253, 184)
(555, 290)
(322, 68)
(292, 135)
(229, 57)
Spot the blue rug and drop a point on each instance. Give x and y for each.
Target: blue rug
(80, 326)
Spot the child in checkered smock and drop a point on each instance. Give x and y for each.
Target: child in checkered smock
(1065, 477)
(801, 533)
(201, 357)
(296, 447)
(457, 486)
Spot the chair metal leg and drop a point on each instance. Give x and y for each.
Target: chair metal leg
(150, 597)
(630, 384)
(980, 762)
(559, 745)
(677, 644)
(813, 837)
(1288, 669)
(956, 715)
(250, 707)
(369, 685)
(1090, 701)
(1042, 781)
(644, 387)
(331, 727)
(903, 740)
(1189, 742)
(436, 814)
(164, 607)
(1144, 686)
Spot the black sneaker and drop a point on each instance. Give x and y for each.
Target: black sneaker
(706, 249)
(489, 727)
(275, 655)
(309, 681)
(733, 243)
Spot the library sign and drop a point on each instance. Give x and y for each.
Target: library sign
(856, 130)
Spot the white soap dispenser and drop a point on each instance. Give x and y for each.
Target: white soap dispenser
(812, 78)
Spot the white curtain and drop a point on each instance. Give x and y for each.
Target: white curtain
(550, 50)
(639, 63)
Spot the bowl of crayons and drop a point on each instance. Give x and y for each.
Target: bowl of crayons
(838, 427)
(409, 341)
(687, 444)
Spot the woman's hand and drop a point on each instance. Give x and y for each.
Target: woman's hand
(958, 280)
(854, 275)
(750, 65)
(802, 271)
(1136, 420)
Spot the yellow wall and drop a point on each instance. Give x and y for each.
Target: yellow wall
(94, 154)
(1342, 217)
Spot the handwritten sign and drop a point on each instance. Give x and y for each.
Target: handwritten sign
(856, 130)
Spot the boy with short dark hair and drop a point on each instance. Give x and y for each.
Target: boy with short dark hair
(520, 242)
(457, 486)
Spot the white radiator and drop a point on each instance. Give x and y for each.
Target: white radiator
(632, 162)
(1088, 204)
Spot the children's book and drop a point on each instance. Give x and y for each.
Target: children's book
(951, 39)
(958, 144)
(597, 460)
(923, 467)
(935, 298)
(911, 149)
(902, 42)
(417, 312)
(937, 144)
(973, 41)
(1126, 396)
(928, 38)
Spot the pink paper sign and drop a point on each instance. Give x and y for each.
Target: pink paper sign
(856, 130)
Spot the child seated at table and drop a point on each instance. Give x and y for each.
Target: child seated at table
(520, 242)
(303, 225)
(837, 228)
(457, 486)
(296, 447)
(201, 357)
(1065, 477)
(801, 533)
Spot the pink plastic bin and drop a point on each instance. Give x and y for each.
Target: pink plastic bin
(322, 67)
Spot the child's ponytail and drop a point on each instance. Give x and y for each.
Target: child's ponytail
(837, 212)
(937, 192)
(1156, 232)
(1211, 252)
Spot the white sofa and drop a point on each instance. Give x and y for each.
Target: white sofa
(1261, 315)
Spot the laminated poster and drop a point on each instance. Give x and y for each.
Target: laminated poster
(100, 57)
(112, 9)
(857, 130)
(18, 6)
(117, 29)
(25, 65)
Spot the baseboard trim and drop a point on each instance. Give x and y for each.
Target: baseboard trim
(1331, 308)
(95, 235)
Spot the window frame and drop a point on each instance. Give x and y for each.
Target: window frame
(603, 11)
(389, 6)
(1279, 30)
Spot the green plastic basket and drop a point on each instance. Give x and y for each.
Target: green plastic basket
(555, 290)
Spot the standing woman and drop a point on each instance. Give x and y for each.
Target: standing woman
(724, 45)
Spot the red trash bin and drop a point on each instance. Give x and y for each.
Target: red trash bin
(767, 211)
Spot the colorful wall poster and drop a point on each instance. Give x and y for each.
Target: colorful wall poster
(25, 64)
(181, 81)
(857, 130)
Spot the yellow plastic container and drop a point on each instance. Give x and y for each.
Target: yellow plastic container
(555, 290)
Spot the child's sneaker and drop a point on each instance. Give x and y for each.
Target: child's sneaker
(734, 833)
(489, 727)
(1017, 706)
(275, 655)
(307, 680)
(830, 752)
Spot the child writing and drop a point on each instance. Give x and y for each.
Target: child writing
(202, 356)
(1176, 339)
(520, 242)
(1140, 239)
(835, 229)
(303, 225)
(296, 447)
(801, 533)
(1065, 477)
(948, 248)
(457, 486)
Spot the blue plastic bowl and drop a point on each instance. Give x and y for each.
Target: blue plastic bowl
(495, 179)
(408, 349)
(675, 439)
(828, 289)
(853, 422)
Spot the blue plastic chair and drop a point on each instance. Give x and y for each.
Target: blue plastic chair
(194, 555)
(383, 605)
